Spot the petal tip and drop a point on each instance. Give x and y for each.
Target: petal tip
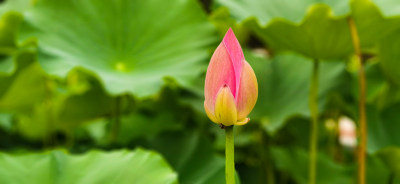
(236, 55)
(230, 37)
(230, 32)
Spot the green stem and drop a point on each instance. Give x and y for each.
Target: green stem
(268, 169)
(229, 156)
(313, 105)
(362, 90)
(284, 178)
(391, 178)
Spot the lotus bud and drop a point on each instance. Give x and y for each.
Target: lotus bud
(231, 88)
(347, 132)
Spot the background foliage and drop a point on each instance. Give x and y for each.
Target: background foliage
(112, 91)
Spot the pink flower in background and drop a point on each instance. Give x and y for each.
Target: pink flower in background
(231, 88)
(347, 132)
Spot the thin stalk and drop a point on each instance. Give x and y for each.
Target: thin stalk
(229, 156)
(268, 169)
(313, 105)
(361, 105)
(270, 173)
(284, 178)
(391, 178)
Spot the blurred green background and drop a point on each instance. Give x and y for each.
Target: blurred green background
(97, 91)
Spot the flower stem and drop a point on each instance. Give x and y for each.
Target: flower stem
(361, 105)
(229, 156)
(313, 105)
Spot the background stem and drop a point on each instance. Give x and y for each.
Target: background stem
(267, 174)
(362, 89)
(313, 105)
(391, 178)
(229, 156)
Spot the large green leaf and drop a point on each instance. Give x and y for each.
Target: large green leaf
(10, 23)
(41, 102)
(376, 81)
(319, 36)
(138, 125)
(389, 8)
(22, 91)
(284, 86)
(14, 5)
(82, 98)
(63, 106)
(271, 10)
(8, 32)
(130, 45)
(382, 127)
(317, 29)
(222, 21)
(295, 162)
(372, 24)
(120, 167)
(377, 170)
(28, 77)
(154, 116)
(6, 121)
(19, 72)
(389, 57)
(310, 28)
(391, 156)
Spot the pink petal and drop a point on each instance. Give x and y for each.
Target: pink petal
(248, 92)
(220, 72)
(236, 55)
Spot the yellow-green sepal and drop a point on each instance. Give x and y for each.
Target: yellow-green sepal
(225, 107)
(242, 121)
(210, 114)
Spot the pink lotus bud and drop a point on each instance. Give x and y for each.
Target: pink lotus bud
(231, 86)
